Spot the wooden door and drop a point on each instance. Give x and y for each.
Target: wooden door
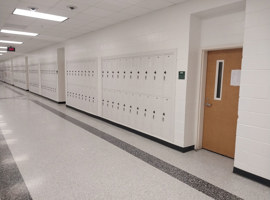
(221, 101)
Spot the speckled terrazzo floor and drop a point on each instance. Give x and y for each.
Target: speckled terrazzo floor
(59, 153)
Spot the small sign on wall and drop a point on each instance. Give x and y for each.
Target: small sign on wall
(235, 77)
(181, 74)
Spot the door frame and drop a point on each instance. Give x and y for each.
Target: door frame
(202, 85)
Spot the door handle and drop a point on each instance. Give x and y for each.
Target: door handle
(207, 104)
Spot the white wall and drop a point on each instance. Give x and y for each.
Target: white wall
(221, 31)
(162, 30)
(253, 130)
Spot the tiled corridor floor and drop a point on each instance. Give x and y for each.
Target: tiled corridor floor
(49, 151)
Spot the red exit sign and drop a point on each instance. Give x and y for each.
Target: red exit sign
(11, 49)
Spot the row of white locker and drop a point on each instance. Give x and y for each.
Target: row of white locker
(82, 98)
(162, 60)
(82, 78)
(48, 71)
(149, 114)
(19, 81)
(23, 71)
(33, 71)
(34, 87)
(143, 74)
(82, 65)
(151, 74)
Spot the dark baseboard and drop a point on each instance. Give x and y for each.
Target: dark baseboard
(173, 146)
(251, 176)
(59, 102)
(20, 88)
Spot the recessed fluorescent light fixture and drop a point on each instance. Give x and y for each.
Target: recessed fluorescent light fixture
(18, 32)
(10, 42)
(3, 47)
(3, 51)
(39, 15)
(1, 54)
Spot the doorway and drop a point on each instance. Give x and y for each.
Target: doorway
(221, 101)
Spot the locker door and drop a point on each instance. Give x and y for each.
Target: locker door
(137, 111)
(112, 105)
(120, 110)
(147, 72)
(104, 73)
(108, 103)
(125, 108)
(85, 98)
(125, 78)
(103, 62)
(130, 109)
(130, 75)
(117, 76)
(117, 106)
(104, 103)
(158, 62)
(143, 113)
(156, 113)
(167, 120)
(168, 71)
(82, 79)
(136, 74)
(150, 107)
(112, 74)
(108, 74)
(94, 73)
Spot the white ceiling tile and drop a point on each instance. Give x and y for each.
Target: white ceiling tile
(135, 10)
(26, 5)
(11, 3)
(134, 1)
(90, 15)
(55, 38)
(63, 6)
(177, 1)
(97, 12)
(20, 20)
(48, 3)
(115, 5)
(87, 18)
(154, 4)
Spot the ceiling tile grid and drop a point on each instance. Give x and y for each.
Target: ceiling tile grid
(89, 15)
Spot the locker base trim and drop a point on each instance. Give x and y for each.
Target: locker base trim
(20, 88)
(251, 176)
(59, 102)
(160, 141)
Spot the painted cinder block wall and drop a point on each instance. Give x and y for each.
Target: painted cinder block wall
(161, 30)
(253, 131)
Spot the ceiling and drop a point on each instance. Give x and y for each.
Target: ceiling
(90, 15)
